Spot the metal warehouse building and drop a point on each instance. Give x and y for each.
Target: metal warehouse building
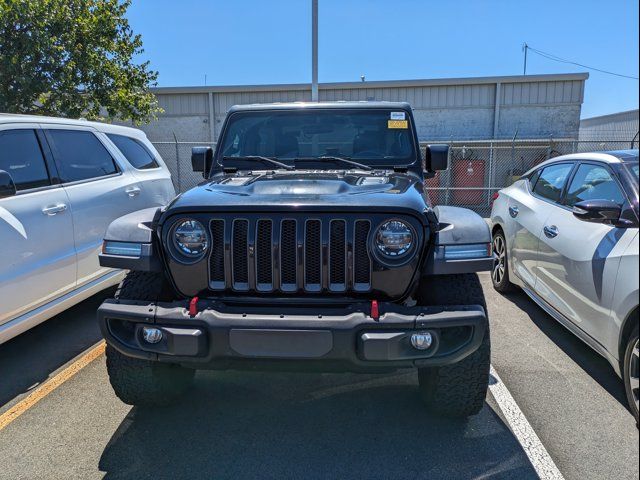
(622, 126)
(532, 106)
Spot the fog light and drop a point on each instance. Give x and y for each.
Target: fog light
(151, 334)
(421, 341)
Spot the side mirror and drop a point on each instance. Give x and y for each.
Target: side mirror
(597, 211)
(7, 187)
(201, 160)
(437, 157)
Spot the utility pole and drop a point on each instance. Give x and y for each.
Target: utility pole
(314, 50)
(525, 47)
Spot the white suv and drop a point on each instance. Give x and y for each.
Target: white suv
(62, 182)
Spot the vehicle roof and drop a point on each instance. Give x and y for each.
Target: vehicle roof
(6, 118)
(625, 155)
(612, 156)
(321, 105)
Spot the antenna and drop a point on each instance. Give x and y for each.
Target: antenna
(314, 50)
(525, 48)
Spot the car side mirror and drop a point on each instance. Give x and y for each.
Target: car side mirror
(7, 186)
(437, 157)
(201, 160)
(597, 211)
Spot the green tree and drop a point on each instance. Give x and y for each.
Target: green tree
(73, 58)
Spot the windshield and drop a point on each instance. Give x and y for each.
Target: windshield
(633, 168)
(369, 137)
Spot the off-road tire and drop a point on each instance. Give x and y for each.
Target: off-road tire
(458, 390)
(632, 343)
(142, 382)
(143, 286)
(502, 284)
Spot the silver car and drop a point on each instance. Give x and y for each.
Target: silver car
(567, 234)
(62, 182)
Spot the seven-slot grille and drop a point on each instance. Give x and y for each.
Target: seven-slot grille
(289, 255)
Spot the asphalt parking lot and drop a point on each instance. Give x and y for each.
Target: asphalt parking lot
(283, 425)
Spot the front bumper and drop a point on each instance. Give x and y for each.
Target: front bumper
(291, 338)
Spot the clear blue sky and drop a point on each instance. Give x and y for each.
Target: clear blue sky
(259, 41)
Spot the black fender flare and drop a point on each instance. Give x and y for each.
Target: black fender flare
(458, 227)
(135, 228)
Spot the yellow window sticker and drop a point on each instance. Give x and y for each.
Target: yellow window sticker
(398, 124)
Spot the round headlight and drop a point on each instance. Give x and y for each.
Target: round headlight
(190, 238)
(394, 239)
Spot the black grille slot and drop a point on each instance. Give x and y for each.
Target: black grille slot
(239, 247)
(216, 260)
(264, 260)
(337, 255)
(288, 249)
(313, 255)
(361, 261)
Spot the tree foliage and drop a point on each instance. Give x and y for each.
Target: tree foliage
(73, 58)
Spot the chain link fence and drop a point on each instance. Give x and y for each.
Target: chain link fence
(177, 156)
(477, 169)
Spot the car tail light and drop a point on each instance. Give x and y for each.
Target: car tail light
(494, 197)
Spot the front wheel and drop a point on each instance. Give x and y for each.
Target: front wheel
(500, 272)
(143, 382)
(456, 390)
(631, 372)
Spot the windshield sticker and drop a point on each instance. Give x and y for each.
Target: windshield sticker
(398, 124)
(397, 116)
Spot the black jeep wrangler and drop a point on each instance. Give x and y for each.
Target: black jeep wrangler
(311, 244)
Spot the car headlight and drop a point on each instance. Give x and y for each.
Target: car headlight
(394, 239)
(190, 239)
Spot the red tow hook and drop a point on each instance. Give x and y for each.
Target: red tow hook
(375, 311)
(193, 307)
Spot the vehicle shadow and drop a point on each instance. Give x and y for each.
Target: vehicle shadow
(584, 356)
(30, 358)
(277, 425)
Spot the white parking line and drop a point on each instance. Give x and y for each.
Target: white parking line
(531, 444)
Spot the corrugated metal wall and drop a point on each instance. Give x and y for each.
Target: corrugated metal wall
(442, 96)
(618, 126)
(446, 96)
(184, 104)
(224, 101)
(444, 109)
(542, 93)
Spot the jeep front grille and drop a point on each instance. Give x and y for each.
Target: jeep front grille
(290, 254)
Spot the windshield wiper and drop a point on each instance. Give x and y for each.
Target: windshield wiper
(331, 158)
(259, 158)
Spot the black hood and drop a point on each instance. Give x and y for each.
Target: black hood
(315, 190)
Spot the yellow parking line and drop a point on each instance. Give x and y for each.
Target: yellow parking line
(50, 385)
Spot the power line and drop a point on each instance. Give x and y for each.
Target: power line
(555, 58)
